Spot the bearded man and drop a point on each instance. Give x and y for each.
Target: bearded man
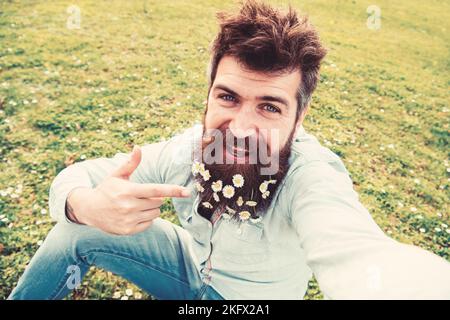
(262, 205)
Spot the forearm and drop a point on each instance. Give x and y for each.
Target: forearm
(74, 204)
(65, 182)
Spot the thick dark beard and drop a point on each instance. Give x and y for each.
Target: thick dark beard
(250, 190)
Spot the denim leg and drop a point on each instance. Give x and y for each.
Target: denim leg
(159, 260)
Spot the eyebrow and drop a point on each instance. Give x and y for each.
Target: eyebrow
(265, 98)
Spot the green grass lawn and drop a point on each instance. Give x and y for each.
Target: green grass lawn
(134, 73)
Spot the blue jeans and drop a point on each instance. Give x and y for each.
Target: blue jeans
(158, 260)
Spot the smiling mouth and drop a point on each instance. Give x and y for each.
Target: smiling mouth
(236, 153)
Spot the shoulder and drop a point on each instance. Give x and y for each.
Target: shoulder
(313, 167)
(307, 151)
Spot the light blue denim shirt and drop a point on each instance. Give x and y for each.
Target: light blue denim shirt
(315, 225)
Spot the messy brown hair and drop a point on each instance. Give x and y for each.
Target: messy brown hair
(267, 40)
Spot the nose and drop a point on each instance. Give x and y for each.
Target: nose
(242, 124)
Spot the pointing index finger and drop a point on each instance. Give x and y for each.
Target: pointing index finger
(154, 190)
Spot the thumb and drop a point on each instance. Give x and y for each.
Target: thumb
(125, 170)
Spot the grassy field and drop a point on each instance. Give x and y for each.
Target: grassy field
(134, 72)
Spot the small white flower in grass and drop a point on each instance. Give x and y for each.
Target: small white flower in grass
(238, 180)
(228, 191)
(447, 230)
(437, 229)
(216, 197)
(116, 295)
(40, 242)
(422, 230)
(44, 211)
(129, 292)
(251, 203)
(199, 187)
(416, 181)
(443, 225)
(206, 175)
(413, 209)
(207, 205)
(244, 215)
(217, 186)
(240, 201)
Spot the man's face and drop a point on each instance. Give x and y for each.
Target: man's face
(244, 111)
(253, 104)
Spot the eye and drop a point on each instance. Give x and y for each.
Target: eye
(271, 108)
(227, 97)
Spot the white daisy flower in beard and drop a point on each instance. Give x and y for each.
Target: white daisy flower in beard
(244, 215)
(206, 175)
(240, 201)
(228, 191)
(207, 205)
(217, 186)
(197, 167)
(251, 203)
(238, 180)
(199, 187)
(263, 187)
(255, 220)
(216, 197)
(265, 194)
(231, 211)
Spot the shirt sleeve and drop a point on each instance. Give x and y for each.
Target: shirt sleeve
(91, 172)
(349, 254)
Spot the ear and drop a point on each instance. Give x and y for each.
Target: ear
(300, 120)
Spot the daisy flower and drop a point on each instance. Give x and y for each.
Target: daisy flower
(205, 174)
(199, 187)
(240, 201)
(197, 167)
(238, 180)
(207, 205)
(244, 215)
(216, 197)
(265, 194)
(251, 203)
(255, 220)
(226, 216)
(263, 187)
(228, 191)
(217, 186)
(232, 211)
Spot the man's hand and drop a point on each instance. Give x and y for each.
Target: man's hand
(119, 206)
